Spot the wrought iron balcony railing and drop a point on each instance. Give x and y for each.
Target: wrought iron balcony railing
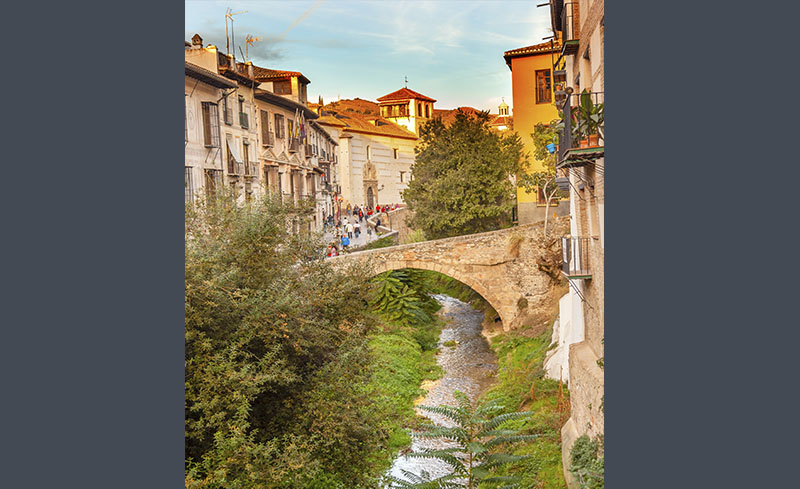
(575, 257)
(582, 136)
(569, 31)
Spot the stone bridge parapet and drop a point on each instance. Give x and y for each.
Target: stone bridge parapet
(500, 265)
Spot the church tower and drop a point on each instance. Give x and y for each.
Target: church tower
(406, 108)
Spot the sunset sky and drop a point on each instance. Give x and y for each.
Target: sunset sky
(450, 50)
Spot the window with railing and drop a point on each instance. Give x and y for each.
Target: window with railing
(210, 125)
(188, 185)
(227, 113)
(266, 135)
(575, 257)
(279, 133)
(244, 121)
(233, 165)
(246, 157)
(213, 181)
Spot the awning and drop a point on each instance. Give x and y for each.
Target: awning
(233, 148)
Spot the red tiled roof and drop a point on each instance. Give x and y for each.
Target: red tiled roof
(501, 120)
(404, 94)
(333, 115)
(545, 47)
(268, 74)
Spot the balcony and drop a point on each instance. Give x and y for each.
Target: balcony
(235, 168)
(251, 169)
(582, 136)
(569, 31)
(244, 120)
(294, 145)
(309, 151)
(267, 139)
(575, 258)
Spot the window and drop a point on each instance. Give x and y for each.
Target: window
(369, 153)
(243, 117)
(246, 156)
(427, 110)
(188, 187)
(419, 109)
(265, 139)
(213, 181)
(395, 156)
(210, 125)
(543, 90)
(279, 126)
(282, 87)
(226, 111)
(402, 173)
(230, 158)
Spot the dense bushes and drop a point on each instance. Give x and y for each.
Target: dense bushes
(278, 365)
(291, 380)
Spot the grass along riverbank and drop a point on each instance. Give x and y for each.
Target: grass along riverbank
(521, 386)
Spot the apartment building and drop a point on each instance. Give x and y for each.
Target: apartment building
(579, 68)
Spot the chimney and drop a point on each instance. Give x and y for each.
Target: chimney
(197, 41)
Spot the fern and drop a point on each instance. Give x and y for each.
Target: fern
(477, 435)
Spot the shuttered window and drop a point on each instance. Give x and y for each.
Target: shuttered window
(210, 125)
(265, 127)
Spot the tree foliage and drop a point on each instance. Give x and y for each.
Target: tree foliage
(276, 359)
(478, 434)
(463, 177)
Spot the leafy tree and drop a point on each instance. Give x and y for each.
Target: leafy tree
(276, 356)
(545, 179)
(463, 177)
(478, 435)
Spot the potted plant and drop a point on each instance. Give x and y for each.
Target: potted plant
(591, 120)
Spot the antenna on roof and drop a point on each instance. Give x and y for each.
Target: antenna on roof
(406, 78)
(229, 15)
(248, 41)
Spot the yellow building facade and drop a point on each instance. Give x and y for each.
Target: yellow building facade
(533, 99)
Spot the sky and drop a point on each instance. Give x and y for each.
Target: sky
(450, 50)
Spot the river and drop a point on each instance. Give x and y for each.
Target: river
(469, 366)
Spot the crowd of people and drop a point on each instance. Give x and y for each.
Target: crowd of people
(344, 229)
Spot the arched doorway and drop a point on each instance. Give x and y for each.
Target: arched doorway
(370, 198)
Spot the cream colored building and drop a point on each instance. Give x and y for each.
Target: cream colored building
(261, 141)
(204, 165)
(580, 27)
(375, 156)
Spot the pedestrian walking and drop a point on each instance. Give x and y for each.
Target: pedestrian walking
(377, 224)
(345, 242)
(349, 229)
(357, 229)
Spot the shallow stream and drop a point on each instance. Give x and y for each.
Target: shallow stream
(469, 367)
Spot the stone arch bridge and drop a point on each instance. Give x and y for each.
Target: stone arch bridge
(502, 266)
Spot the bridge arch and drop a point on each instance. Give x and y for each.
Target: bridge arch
(454, 273)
